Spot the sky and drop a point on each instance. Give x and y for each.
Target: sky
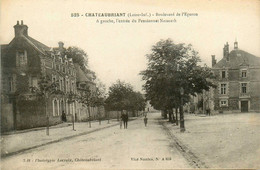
(118, 50)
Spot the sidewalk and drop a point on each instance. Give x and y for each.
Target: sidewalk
(12, 144)
(222, 141)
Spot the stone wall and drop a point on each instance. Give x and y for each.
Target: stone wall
(7, 119)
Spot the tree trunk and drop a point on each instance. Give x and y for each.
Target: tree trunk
(165, 114)
(182, 127)
(176, 113)
(99, 115)
(15, 109)
(107, 113)
(117, 115)
(89, 116)
(47, 116)
(170, 115)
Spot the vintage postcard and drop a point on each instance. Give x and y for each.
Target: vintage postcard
(140, 84)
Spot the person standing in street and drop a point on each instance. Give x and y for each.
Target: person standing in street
(145, 120)
(125, 119)
(63, 117)
(121, 119)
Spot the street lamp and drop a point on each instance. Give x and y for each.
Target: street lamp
(182, 127)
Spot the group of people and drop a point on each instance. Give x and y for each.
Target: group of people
(124, 119)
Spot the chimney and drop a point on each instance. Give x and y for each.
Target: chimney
(226, 51)
(227, 48)
(235, 45)
(20, 30)
(61, 44)
(213, 61)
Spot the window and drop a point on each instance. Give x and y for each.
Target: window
(57, 67)
(48, 63)
(55, 107)
(243, 73)
(21, 58)
(244, 87)
(72, 86)
(223, 88)
(223, 74)
(10, 84)
(34, 82)
(64, 84)
(61, 84)
(223, 103)
(67, 86)
(53, 78)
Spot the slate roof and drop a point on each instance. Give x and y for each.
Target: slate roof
(236, 58)
(81, 76)
(3, 46)
(42, 48)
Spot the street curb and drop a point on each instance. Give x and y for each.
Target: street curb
(57, 140)
(32, 130)
(40, 128)
(184, 150)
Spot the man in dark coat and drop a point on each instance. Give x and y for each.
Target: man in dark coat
(125, 119)
(63, 117)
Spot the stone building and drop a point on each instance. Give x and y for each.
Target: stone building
(24, 61)
(86, 84)
(238, 81)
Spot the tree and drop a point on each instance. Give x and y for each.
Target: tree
(172, 67)
(118, 96)
(121, 96)
(78, 55)
(46, 88)
(136, 102)
(98, 97)
(87, 99)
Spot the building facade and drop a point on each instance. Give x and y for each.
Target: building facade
(238, 81)
(24, 62)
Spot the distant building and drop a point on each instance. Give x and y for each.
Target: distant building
(238, 81)
(149, 107)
